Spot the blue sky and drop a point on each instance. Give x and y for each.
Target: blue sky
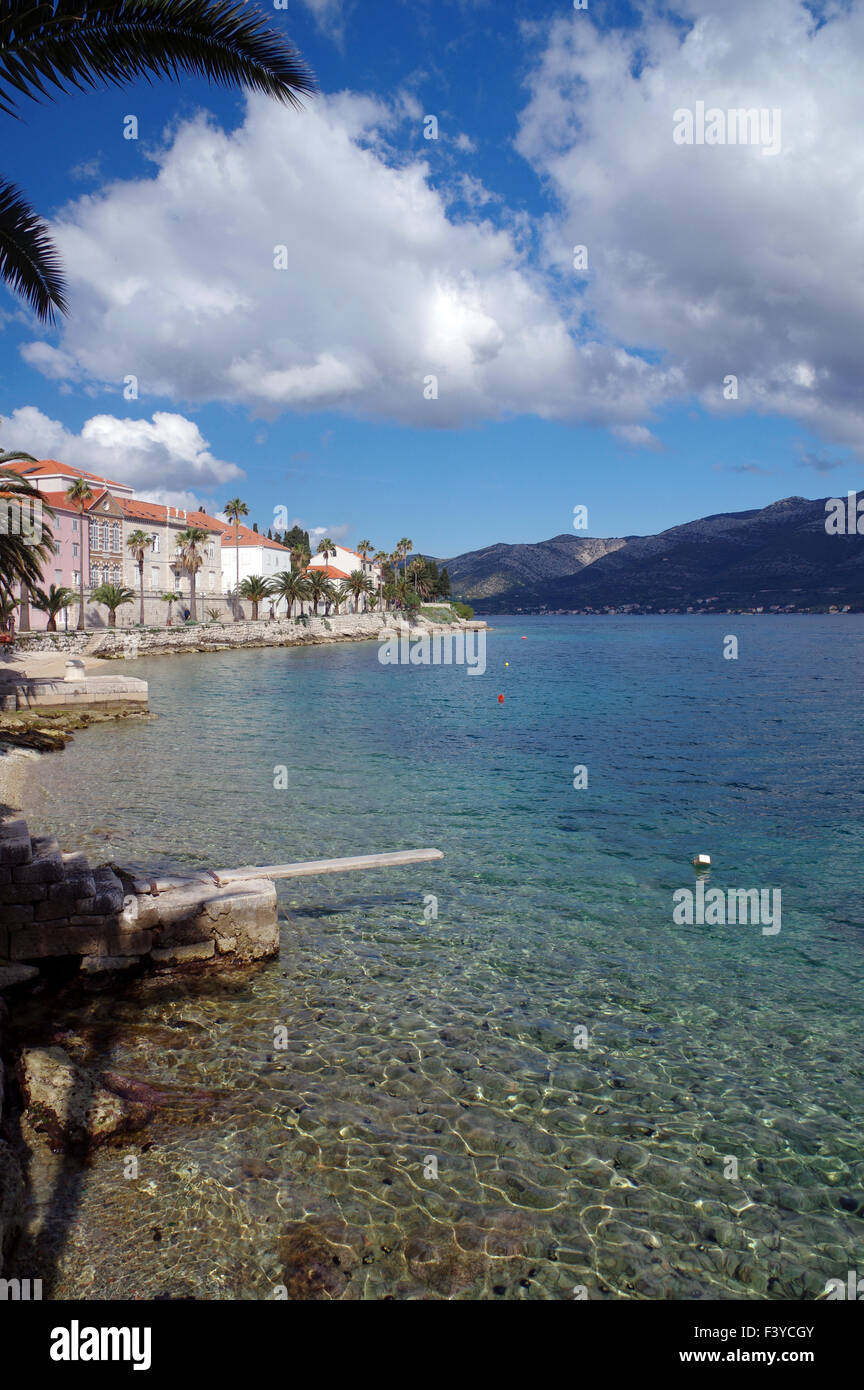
(303, 388)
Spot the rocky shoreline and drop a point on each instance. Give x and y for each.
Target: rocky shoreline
(125, 644)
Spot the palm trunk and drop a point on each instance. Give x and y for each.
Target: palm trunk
(81, 623)
(192, 612)
(141, 585)
(237, 561)
(24, 624)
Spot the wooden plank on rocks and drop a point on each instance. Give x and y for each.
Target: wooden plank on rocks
(310, 867)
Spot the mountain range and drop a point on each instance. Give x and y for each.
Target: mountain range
(779, 557)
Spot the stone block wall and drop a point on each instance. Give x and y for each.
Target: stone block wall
(55, 905)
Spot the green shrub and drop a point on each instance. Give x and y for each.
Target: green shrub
(463, 610)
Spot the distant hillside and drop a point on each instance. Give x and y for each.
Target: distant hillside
(502, 569)
(780, 556)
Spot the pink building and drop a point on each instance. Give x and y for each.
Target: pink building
(64, 568)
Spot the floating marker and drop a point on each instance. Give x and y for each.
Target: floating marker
(524, 639)
(500, 699)
(506, 663)
(702, 861)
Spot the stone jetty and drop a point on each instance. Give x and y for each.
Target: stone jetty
(55, 905)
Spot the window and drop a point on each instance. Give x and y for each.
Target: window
(76, 576)
(58, 578)
(154, 543)
(75, 526)
(211, 551)
(95, 577)
(115, 536)
(115, 574)
(94, 535)
(212, 580)
(104, 545)
(154, 576)
(74, 550)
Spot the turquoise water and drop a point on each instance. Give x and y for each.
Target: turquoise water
(431, 1130)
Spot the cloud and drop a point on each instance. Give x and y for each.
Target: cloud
(165, 459)
(173, 279)
(465, 143)
(743, 468)
(820, 464)
(328, 16)
(317, 533)
(637, 436)
(717, 258)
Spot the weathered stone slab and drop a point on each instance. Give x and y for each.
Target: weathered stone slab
(21, 893)
(18, 915)
(37, 942)
(95, 965)
(12, 975)
(15, 845)
(45, 866)
(180, 954)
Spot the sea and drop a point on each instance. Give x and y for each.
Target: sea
(515, 1073)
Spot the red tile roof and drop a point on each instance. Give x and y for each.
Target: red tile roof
(247, 537)
(330, 571)
(158, 512)
(48, 467)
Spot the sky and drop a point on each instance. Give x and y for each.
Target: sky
(378, 325)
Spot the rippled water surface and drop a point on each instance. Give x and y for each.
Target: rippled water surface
(429, 1129)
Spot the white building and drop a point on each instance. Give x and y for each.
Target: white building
(258, 556)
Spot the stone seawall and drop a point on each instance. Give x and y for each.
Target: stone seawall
(127, 642)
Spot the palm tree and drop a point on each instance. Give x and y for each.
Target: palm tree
(337, 595)
(80, 495)
(380, 559)
(78, 44)
(170, 599)
(357, 584)
(405, 548)
(363, 548)
(318, 586)
(326, 548)
(256, 588)
(112, 596)
(55, 601)
(420, 579)
(234, 510)
(292, 587)
(8, 604)
(300, 558)
(191, 560)
(22, 551)
(138, 543)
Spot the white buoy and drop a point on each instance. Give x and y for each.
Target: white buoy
(702, 861)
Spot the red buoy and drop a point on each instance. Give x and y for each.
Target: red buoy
(500, 699)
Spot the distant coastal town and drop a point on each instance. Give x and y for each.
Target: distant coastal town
(91, 545)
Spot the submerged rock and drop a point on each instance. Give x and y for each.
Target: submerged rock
(312, 1267)
(71, 1104)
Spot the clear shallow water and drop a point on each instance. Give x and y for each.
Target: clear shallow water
(452, 1040)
